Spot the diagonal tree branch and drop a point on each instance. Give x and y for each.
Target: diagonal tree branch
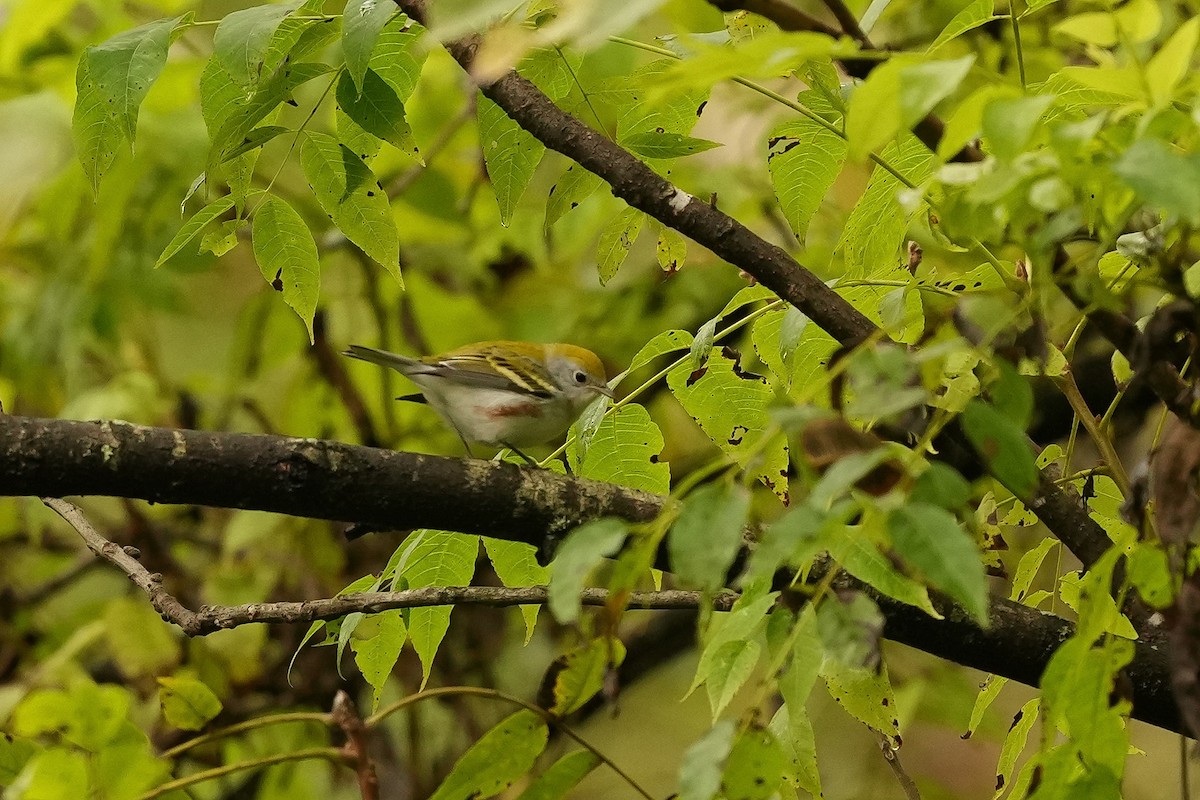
(641, 187)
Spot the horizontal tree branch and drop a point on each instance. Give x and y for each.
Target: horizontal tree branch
(1017, 643)
(313, 478)
(214, 618)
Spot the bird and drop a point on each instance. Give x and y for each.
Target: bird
(502, 393)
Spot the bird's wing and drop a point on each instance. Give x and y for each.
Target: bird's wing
(494, 370)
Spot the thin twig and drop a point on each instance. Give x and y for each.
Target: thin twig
(213, 618)
(163, 601)
(849, 23)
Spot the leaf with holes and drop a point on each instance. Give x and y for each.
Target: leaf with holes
(350, 194)
(112, 80)
(511, 154)
(378, 110)
(804, 158)
(362, 22)
(242, 38)
(871, 238)
(616, 240)
(576, 185)
(730, 406)
(502, 755)
(287, 256)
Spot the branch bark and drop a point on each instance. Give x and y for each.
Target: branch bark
(303, 477)
(1017, 643)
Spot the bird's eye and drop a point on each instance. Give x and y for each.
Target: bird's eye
(581, 377)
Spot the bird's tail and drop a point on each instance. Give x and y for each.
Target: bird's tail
(402, 364)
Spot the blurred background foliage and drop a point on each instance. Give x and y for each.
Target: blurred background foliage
(90, 329)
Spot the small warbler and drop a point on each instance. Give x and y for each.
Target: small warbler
(503, 394)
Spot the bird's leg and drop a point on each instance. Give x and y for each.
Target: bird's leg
(527, 459)
(466, 444)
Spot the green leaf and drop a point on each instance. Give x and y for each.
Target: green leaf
(502, 755)
(1012, 395)
(242, 38)
(1150, 572)
(1003, 446)
(191, 229)
(510, 153)
(579, 553)
(671, 249)
(112, 80)
(437, 558)
(362, 22)
(1015, 741)
(562, 776)
(396, 58)
(856, 551)
(942, 485)
(516, 565)
(663, 144)
(15, 752)
(257, 138)
(850, 627)
(1172, 61)
(378, 110)
(583, 672)
(931, 539)
(377, 653)
(730, 406)
(187, 703)
(349, 193)
(56, 773)
(756, 767)
(287, 257)
(974, 14)
(704, 762)
(793, 729)
(804, 159)
(625, 450)
(865, 695)
(727, 670)
(674, 112)
(576, 185)
(708, 534)
(1028, 566)
(895, 97)
(1163, 177)
(616, 239)
(237, 115)
(875, 229)
(1008, 123)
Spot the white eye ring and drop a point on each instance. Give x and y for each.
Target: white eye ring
(581, 377)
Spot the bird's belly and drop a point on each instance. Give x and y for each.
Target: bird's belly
(497, 417)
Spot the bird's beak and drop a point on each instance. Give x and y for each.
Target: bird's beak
(604, 390)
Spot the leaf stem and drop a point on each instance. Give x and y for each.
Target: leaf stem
(1015, 19)
(260, 722)
(329, 753)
